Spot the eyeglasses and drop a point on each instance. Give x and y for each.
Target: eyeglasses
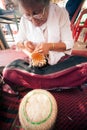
(36, 16)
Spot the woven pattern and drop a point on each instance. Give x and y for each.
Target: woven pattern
(8, 110)
(72, 110)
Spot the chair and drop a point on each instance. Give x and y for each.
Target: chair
(3, 43)
(8, 20)
(76, 15)
(1, 46)
(10, 16)
(79, 25)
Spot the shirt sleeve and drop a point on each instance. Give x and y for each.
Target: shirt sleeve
(21, 33)
(65, 29)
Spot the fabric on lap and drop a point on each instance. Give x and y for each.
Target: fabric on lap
(71, 72)
(48, 69)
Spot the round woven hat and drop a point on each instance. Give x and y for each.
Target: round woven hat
(38, 110)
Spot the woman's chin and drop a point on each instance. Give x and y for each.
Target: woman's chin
(38, 22)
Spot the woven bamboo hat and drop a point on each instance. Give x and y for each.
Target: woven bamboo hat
(38, 110)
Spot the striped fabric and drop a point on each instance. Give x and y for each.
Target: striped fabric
(8, 109)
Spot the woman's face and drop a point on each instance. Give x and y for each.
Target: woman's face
(36, 14)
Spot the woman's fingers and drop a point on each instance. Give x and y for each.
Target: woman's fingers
(29, 46)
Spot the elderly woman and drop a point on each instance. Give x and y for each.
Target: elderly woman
(45, 29)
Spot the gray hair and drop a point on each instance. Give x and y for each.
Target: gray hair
(30, 2)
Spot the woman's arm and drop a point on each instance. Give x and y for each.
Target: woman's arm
(46, 47)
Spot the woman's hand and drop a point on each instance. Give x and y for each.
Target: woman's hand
(43, 48)
(29, 46)
(20, 45)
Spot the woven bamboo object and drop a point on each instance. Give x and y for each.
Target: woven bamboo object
(38, 110)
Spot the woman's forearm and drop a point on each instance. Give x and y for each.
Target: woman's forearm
(57, 46)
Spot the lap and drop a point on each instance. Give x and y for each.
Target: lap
(48, 69)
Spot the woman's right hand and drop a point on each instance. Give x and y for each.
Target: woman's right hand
(29, 46)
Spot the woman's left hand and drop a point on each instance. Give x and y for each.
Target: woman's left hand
(43, 48)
